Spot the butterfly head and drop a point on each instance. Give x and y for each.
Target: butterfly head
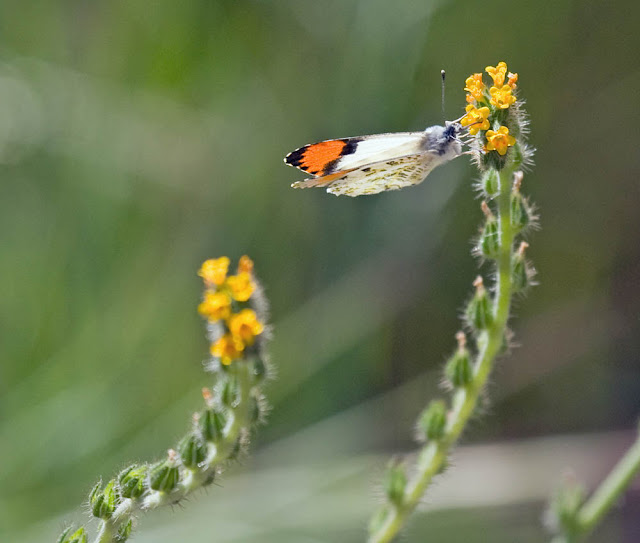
(451, 130)
(443, 140)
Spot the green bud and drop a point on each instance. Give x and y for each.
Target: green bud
(490, 183)
(479, 311)
(104, 502)
(164, 476)
(212, 424)
(124, 532)
(396, 482)
(520, 270)
(458, 369)
(230, 392)
(237, 448)
(433, 420)
(516, 154)
(79, 536)
(255, 410)
(259, 369)
(192, 450)
(520, 214)
(132, 481)
(378, 519)
(489, 239)
(564, 509)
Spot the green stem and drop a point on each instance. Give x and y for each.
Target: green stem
(607, 494)
(240, 418)
(433, 456)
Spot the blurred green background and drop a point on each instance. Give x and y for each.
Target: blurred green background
(138, 138)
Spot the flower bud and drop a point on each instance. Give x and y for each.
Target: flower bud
(563, 512)
(132, 481)
(124, 532)
(230, 392)
(255, 410)
(259, 369)
(164, 476)
(433, 420)
(378, 519)
(517, 155)
(212, 424)
(490, 183)
(192, 450)
(520, 212)
(489, 239)
(521, 272)
(396, 482)
(104, 502)
(458, 369)
(237, 448)
(79, 536)
(479, 311)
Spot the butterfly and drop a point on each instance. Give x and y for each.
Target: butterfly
(373, 164)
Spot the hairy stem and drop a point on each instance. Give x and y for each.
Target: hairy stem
(239, 419)
(433, 456)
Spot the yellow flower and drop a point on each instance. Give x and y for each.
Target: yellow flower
(245, 264)
(499, 141)
(501, 97)
(476, 119)
(241, 286)
(215, 306)
(214, 271)
(497, 73)
(227, 349)
(513, 79)
(245, 326)
(475, 87)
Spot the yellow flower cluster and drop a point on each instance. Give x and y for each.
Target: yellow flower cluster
(222, 301)
(484, 103)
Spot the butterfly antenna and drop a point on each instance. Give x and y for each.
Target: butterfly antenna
(443, 76)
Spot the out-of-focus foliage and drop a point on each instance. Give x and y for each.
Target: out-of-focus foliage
(139, 138)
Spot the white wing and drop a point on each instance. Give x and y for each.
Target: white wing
(390, 174)
(380, 147)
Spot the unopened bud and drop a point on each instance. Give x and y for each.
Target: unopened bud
(132, 481)
(458, 369)
(230, 392)
(192, 450)
(479, 311)
(520, 269)
(378, 519)
(255, 410)
(490, 183)
(396, 482)
(164, 476)
(433, 420)
(104, 502)
(124, 532)
(79, 536)
(259, 369)
(489, 239)
(520, 212)
(564, 508)
(212, 424)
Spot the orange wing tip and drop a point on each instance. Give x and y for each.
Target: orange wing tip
(320, 158)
